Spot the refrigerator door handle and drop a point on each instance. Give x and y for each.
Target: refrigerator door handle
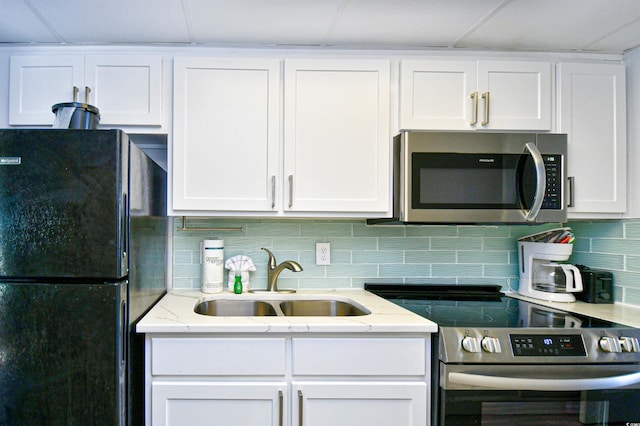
(125, 227)
(124, 323)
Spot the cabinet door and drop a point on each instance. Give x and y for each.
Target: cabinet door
(337, 141)
(38, 83)
(519, 95)
(359, 404)
(226, 134)
(204, 403)
(436, 95)
(126, 89)
(592, 112)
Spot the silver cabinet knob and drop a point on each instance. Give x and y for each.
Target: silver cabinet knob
(491, 344)
(629, 344)
(471, 344)
(610, 344)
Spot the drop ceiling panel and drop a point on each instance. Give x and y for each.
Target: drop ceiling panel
(18, 24)
(566, 25)
(627, 36)
(408, 22)
(117, 21)
(261, 21)
(552, 24)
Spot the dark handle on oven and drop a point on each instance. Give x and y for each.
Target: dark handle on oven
(541, 181)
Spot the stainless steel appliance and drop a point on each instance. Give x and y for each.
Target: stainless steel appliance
(472, 177)
(82, 252)
(500, 360)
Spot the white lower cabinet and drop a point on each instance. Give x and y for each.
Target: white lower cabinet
(179, 403)
(287, 381)
(359, 403)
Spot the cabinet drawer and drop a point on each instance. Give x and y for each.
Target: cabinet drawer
(360, 357)
(221, 357)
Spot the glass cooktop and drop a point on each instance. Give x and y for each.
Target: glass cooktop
(479, 306)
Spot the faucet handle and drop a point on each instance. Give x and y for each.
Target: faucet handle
(272, 258)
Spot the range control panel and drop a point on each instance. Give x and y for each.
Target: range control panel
(534, 345)
(547, 345)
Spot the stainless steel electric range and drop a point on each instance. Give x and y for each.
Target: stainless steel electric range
(500, 360)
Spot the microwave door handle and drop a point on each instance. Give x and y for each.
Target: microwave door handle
(541, 181)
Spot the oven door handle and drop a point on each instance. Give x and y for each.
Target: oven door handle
(518, 383)
(541, 181)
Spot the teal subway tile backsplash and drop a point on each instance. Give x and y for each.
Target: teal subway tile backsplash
(614, 246)
(633, 263)
(404, 254)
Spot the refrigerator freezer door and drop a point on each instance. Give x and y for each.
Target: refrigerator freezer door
(62, 203)
(62, 354)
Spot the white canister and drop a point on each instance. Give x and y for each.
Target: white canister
(212, 260)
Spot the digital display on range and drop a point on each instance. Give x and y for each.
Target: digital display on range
(547, 345)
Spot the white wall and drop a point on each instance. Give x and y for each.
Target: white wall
(4, 89)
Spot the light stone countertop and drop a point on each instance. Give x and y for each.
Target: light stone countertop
(616, 312)
(174, 313)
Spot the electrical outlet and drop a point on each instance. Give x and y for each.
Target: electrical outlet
(323, 254)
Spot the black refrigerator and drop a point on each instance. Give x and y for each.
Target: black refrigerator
(83, 240)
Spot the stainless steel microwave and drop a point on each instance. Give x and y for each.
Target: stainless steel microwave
(473, 177)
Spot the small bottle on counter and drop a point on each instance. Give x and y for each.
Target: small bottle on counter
(237, 285)
(212, 252)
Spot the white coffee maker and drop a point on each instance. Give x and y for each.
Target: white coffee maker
(542, 277)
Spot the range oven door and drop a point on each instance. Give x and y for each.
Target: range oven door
(539, 395)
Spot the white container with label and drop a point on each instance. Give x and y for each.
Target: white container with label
(212, 260)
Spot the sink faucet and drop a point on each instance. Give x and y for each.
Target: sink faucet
(273, 271)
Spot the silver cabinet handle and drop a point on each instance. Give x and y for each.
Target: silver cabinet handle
(541, 181)
(280, 405)
(300, 415)
(572, 194)
(87, 90)
(290, 191)
(76, 90)
(273, 191)
(485, 96)
(474, 109)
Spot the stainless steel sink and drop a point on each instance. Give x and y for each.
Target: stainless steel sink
(278, 307)
(321, 308)
(236, 308)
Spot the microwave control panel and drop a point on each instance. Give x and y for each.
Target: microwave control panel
(553, 191)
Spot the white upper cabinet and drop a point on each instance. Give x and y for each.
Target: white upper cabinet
(127, 89)
(228, 152)
(336, 136)
(469, 95)
(226, 143)
(39, 82)
(592, 111)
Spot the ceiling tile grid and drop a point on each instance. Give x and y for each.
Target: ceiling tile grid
(524, 25)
